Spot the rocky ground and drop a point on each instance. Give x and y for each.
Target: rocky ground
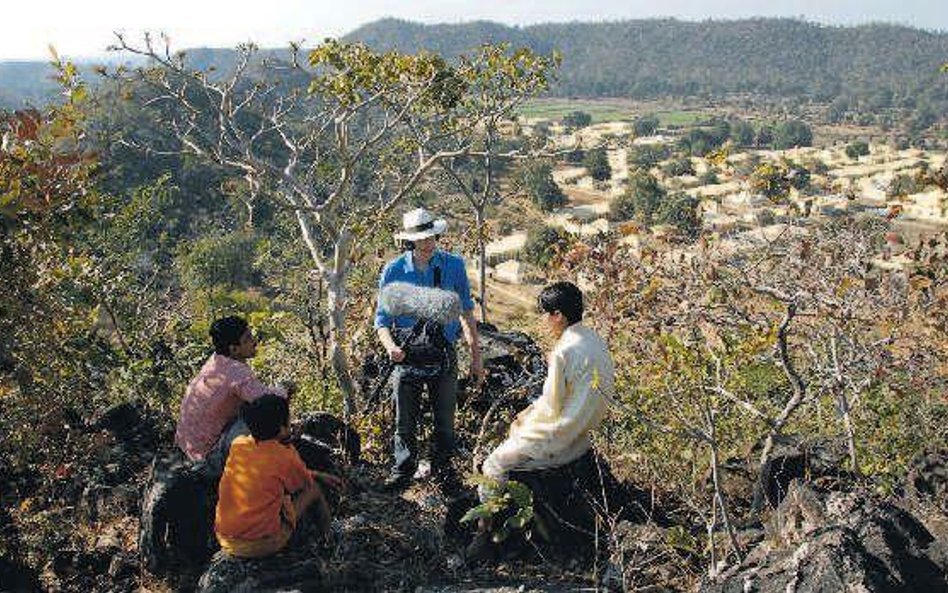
(146, 523)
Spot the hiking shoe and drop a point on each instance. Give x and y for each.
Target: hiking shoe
(396, 482)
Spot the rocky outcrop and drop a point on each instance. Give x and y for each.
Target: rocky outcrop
(840, 541)
(177, 518)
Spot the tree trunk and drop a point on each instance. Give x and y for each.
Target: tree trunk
(336, 307)
(481, 263)
(846, 413)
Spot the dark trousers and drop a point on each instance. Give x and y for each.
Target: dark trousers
(408, 392)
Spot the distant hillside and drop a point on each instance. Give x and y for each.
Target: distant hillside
(867, 68)
(872, 66)
(25, 82)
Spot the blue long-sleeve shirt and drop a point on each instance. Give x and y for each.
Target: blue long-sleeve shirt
(453, 277)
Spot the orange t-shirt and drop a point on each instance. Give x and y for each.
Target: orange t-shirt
(257, 477)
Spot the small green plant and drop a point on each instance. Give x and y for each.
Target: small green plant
(513, 500)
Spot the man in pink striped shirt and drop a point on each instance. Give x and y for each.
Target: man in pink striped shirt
(209, 419)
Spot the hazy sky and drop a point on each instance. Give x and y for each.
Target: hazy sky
(79, 27)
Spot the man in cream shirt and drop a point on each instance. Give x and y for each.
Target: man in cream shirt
(554, 430)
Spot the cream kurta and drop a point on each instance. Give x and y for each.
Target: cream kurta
(554, 430)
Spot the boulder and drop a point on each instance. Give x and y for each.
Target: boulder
(515, 367)
(285, 572)
(177, 520)
(841, 541)
(333, 442)
(795, 459)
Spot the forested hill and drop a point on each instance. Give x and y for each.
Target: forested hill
(868, 68)
(877, 65)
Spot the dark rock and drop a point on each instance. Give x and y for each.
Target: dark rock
(925, 491)
(515, 368)
(572, 505)
(285, 572)
(794, 459)
(121, 420)
(17, 578)
(927, 479)
(339, 443)
(176, 533)
(836, 542)
(122, 566)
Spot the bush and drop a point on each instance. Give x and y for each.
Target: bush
(544, 243)
(792, 133)
(646, 156)
(645, 125)
(709, 177)
(903, 184)
(217, 262)
(577, 119)
(857, 149)
(597, 165)
(575, 156)
(681, 211)
(742, 133)
(770, 180)
(679, 167)
(640, 201)
(536, 179)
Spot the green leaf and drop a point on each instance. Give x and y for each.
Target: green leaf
(481, 511)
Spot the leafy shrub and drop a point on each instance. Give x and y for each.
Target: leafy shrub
(854, 150)
(791, 133)
(544, 243)
(645, 125)
(536, 180)
(640, 201)
(646, 156)
(679, 167)
(903, 184)
(681, 211)
(709, 177)
(217, 261)
(597, 165)
(577, 119)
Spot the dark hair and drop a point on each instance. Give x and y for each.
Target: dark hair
(226, 331)
(564, 297)
(410, 245)
(266, 415)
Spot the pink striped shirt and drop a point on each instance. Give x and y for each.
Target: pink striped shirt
(213, 400)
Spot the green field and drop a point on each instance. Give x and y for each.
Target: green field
(605, 110)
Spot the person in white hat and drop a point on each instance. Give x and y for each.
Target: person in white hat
(423, 264)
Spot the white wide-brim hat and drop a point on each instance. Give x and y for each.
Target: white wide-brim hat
(420, 224)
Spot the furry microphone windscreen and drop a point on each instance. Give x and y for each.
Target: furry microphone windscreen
(402, 298)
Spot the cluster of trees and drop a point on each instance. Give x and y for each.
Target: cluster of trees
(597, 166)
(648, 203)
(774, 180)
(536, 179)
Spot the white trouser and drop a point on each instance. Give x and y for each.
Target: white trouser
(507, 457)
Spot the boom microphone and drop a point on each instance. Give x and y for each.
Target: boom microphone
(404, 299)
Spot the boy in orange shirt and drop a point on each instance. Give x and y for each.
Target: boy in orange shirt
(266, 486)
